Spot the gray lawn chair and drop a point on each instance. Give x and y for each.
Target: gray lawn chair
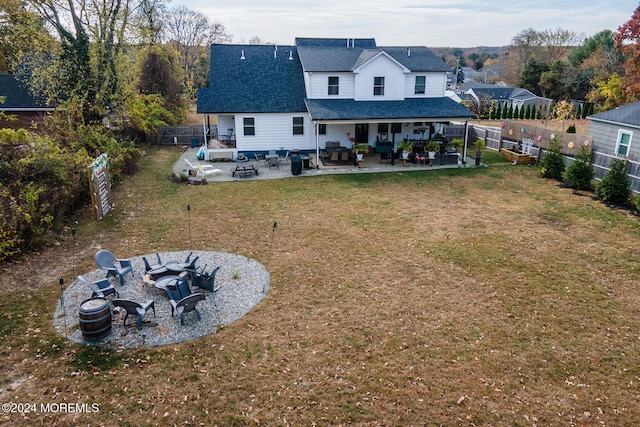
(273, 162)
(206, 280)
(135, 308)
(107, 261)
(148, 266)
(183, 305)
(104, 287)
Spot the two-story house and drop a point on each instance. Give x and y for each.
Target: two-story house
(346, 90)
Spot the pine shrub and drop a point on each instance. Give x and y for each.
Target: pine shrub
(579, 174)
(615, 186)
(552, 163)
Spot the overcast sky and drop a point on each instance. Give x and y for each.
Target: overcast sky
(432, 23)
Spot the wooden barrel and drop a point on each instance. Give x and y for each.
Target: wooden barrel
(95, 318)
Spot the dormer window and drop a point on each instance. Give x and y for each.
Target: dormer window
(378, 86)
(421, 82)
(334, 85)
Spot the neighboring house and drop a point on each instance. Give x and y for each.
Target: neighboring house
(16, 100)
(319, 90)
(505, 96)
(616, 134)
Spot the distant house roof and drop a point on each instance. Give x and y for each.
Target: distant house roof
(17, 97)
(253, 79)
(628, 115)
(495, 93)
(348, 109)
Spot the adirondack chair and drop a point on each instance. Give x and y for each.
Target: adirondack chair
(107, 261)
(148, 266)
(203, 171)
(104, 287)
(206, 280)
(185, 304)
(135, 308)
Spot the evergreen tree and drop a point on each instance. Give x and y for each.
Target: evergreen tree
(516, 112)
(510, 112)
(527, 113)
(579, 174)
(615, 186)
(552, 163)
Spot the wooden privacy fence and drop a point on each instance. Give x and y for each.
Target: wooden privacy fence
(181, 135)
(494, 139)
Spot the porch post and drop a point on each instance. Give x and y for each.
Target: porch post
(317, 127)
(466, 142)
(204, 130)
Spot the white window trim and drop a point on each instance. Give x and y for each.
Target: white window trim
(380, 86)
(245, 126)
(336, 86)
(423, 85)
(619, 139)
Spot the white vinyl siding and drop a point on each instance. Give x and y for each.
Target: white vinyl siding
(317, 85)
(435, 85)
(394, 80)
(274, 132)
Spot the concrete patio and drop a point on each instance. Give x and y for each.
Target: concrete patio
(370, 164)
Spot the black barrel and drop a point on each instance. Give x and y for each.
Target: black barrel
(296, 165)
(95, 318)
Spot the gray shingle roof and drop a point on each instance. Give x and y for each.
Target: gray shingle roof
(338, 58)
(494, 93)
(260, 83)
(626, 114)
(424, 108)
(17, 96)
(335, 42)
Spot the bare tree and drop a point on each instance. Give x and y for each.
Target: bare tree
(556, 44)
(149, 21)
(191, 33)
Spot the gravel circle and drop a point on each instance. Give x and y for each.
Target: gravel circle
(242, 283)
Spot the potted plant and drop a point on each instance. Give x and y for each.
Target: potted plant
(360, 150)
(407, 147)
(432, 147)
(457, 143)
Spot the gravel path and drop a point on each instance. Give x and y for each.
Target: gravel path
(244, 282)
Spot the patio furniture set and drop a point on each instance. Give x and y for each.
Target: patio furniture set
(172, 278)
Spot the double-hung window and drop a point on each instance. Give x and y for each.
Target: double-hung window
(421, 82)
(249, 126)
(334, 85)
(298, 125)
(378, 86)
(624, 141)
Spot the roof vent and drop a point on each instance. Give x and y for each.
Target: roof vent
(242, 54)
(408, 52)
(291, 55)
